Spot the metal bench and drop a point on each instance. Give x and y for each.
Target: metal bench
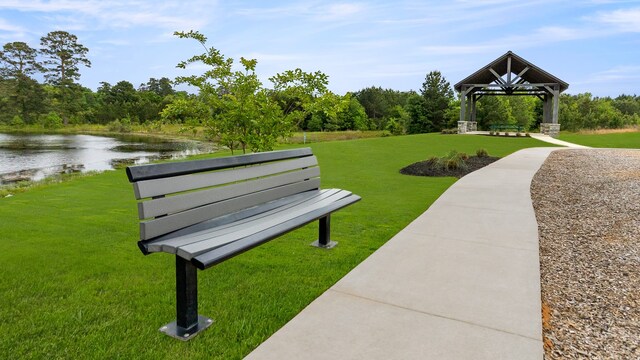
(207, 211)
(499, 127)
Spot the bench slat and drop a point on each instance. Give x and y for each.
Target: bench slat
(164, 186)
(196, 248)
(216, 256)
(174, 204)
(215, 235)
(160, 226)
(157, 171)
(215, 227)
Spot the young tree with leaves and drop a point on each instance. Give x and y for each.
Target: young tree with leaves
(243, 113)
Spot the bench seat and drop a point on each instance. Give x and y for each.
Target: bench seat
(211, 242)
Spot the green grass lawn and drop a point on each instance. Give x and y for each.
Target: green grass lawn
(629, 140)
(74, 284)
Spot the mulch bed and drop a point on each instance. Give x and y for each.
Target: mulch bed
(430, 168)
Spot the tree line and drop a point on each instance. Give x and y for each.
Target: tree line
(237, 110)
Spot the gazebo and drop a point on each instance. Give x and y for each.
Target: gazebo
(511, 75)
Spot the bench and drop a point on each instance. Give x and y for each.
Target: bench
(499, 127)
(207, 211)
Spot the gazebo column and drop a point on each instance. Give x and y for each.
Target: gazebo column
(472, 125)
(551, 109)
(462, 123)
(465, 109)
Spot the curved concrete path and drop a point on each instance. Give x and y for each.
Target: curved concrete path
(462, 281)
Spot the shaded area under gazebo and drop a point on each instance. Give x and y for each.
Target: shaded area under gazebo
(511, 75)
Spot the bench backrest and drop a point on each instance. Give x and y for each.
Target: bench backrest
(179, 194)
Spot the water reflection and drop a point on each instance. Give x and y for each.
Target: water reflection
(33, 157)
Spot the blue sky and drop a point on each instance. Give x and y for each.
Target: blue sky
(594, 45)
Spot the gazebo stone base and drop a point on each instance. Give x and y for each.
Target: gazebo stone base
(552, 130)
(462, 127)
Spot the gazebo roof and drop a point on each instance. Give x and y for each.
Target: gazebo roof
(528, 72)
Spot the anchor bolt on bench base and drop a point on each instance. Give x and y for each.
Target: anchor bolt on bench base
(183, 334)
(329, 245)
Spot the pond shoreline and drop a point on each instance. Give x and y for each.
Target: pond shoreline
(28, 156)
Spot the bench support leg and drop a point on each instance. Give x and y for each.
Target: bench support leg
(188, 323)
(324, 234)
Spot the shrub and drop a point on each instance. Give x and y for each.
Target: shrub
(17, 121)
(51, 121)
(482, 153)
(122, 125)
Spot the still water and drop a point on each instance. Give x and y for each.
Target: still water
(33, 157)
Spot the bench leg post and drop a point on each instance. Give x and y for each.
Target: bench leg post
(188, 323)
(324, 234)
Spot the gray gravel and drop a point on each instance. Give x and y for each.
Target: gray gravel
(587, 205)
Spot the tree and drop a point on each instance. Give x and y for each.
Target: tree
(162, 87)
(243, 113)
(17, 63)
(18, 60)
(353, 115)
(296, 92)
(493, 110)
(419, 121)
(437, 95)
(63, 54)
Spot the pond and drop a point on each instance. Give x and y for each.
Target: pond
(34, 157)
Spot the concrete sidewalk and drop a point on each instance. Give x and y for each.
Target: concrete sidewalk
(462, 281)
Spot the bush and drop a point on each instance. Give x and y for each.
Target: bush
(51, 121)
(17, 121)
(482, 153)
(122, 125)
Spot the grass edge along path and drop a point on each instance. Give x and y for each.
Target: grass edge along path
(74, 284)
(628, 140)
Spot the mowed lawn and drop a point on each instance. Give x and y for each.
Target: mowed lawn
(75, 286)
(629, 140)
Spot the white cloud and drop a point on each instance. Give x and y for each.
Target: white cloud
(625, 20)
(322, 12)
(89, 15)
(618, 73)
(8, 27)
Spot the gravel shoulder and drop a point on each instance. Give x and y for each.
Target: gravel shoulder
(587, 205)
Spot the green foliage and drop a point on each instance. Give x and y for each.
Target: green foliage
(352, 115)
(437, 95)
(122, 125)
(583, 111)
(492, 110)
(51, 121)
(17, 59)
(482, 152)
(185, 110)
(243, 113)
(380, 104)
(17, 121)
(63, 53)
